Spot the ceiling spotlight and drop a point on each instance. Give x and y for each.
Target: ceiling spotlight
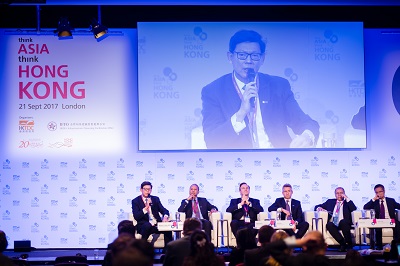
(64, 29)
(99, 31)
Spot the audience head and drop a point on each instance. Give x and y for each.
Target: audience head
(199, 243)
(126, 226)
(131, 256)
(316, 243)
(264, 234)
(279, 235)
(3, 241)
(245, 238)
(144, 247)
(190, 225)
(126, 250)
(354, 258)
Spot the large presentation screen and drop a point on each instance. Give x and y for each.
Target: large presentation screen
(247, 85)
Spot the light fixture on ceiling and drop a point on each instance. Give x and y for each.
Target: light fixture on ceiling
(99, 31)
(64, 29)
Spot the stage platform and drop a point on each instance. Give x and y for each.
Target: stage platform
(48, 256)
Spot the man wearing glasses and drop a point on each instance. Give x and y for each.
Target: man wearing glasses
(384, 209)
(248, 109)
(146, 211)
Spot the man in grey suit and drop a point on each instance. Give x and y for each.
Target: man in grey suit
(177, 250)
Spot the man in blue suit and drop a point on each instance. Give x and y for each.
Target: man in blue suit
(248, 109)
(384, 209)
(244, 209)
(290, 210)
(339, 217)
(146, 211)
(198, 207)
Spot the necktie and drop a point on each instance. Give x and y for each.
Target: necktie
(289, 217)
(196, 209)
(382, 211)
(335, 219)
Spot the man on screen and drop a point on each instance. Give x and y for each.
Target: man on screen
(248, 109)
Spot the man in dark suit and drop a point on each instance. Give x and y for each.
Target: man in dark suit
(290, 209)
(384, 209)
(146, 211)
(339, 217)
(247, 109)
(177, 250)
(244, 209)
(198, 207)
(257, 256)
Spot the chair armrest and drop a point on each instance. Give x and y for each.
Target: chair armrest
(356, 215)
(262, 216)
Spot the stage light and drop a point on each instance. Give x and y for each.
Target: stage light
(99, 31)
(64, 29)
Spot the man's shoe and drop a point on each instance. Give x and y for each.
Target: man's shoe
(342, 248)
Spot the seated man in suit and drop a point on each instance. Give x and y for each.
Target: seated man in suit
(339, 217)
(290, 210)
(177, 250)
(384, 208)
(198, 207)
(244, 209)
(146, 211)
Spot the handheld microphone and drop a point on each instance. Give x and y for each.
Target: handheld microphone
(251, 75)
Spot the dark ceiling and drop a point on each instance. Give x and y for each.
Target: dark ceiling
(126, 16)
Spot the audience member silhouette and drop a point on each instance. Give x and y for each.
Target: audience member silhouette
(245, 240)
(313, 245)
(4, 260)
(202, 252)
(278, 235)
(256, 256)
(177, 250)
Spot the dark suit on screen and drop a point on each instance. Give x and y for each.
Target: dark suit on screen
(238, 213)
(279, 109)
(205, 206)
(143, 226)
(344, 225)
(392, 205)
(297, 215)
